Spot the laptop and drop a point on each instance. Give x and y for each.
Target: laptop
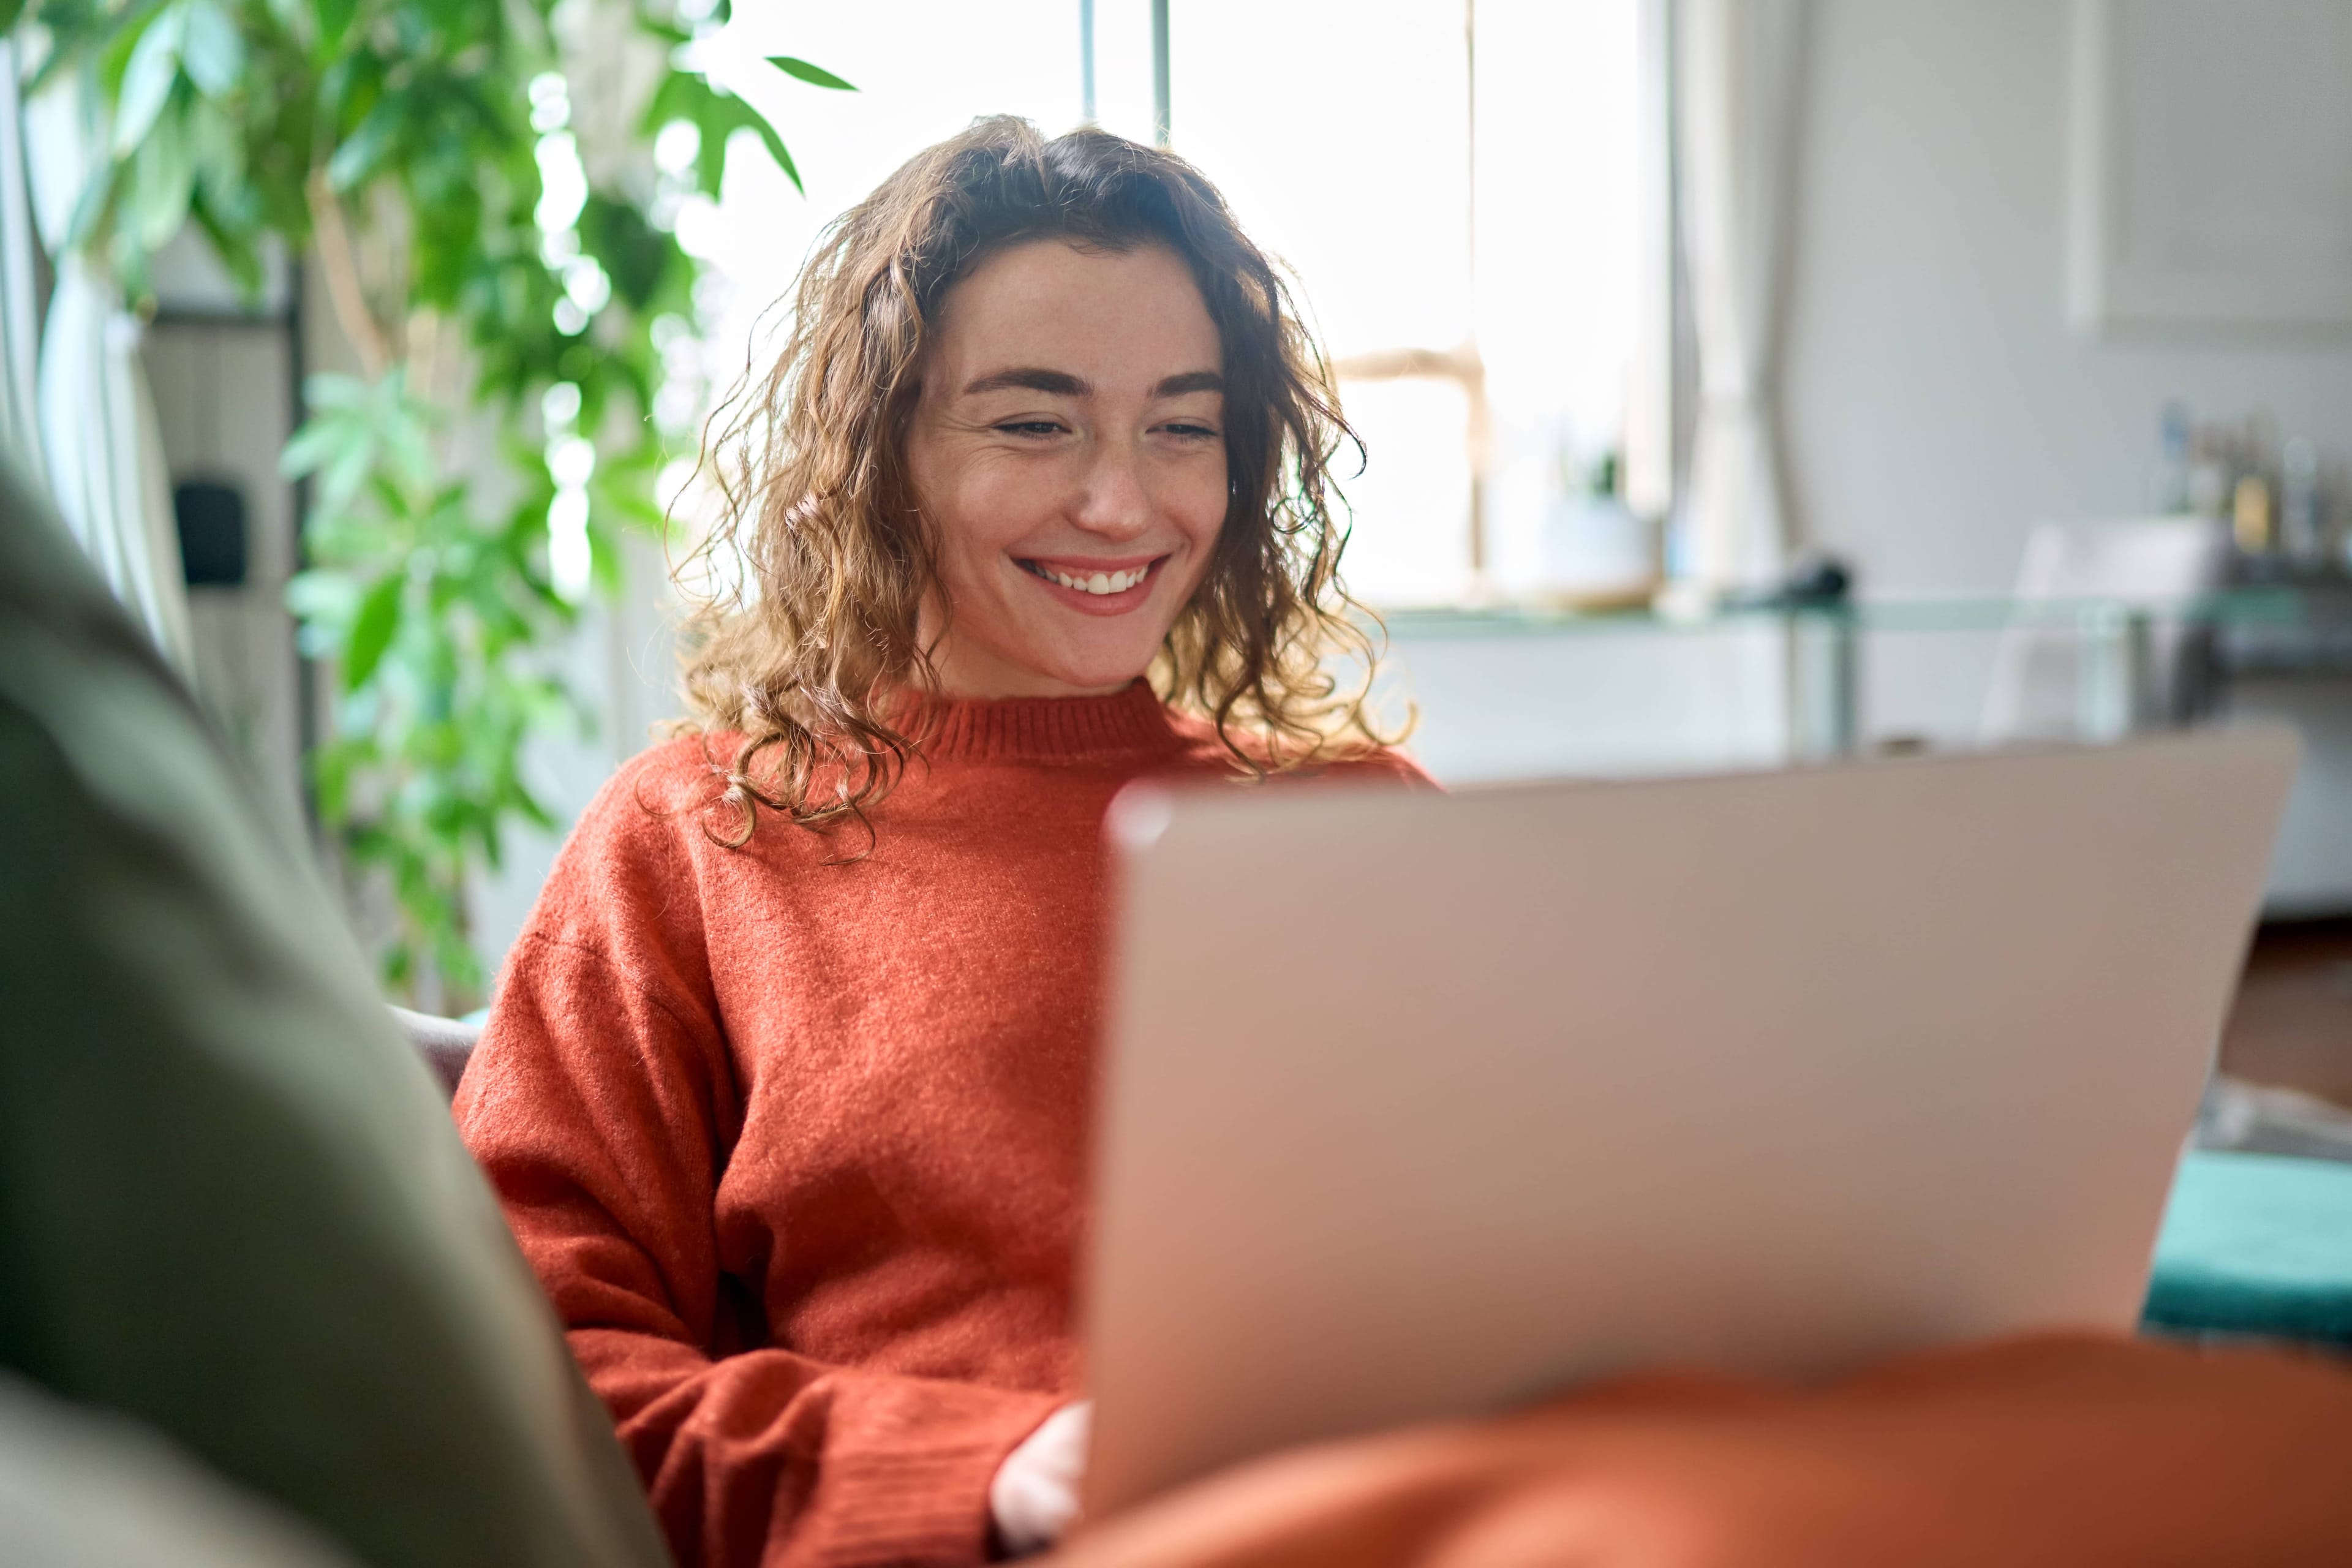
(1419, 1106)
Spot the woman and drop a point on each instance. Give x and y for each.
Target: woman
(785, 1088)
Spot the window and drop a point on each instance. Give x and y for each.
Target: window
(1454, 187)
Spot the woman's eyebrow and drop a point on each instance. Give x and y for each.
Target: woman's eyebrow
(1062, 384)
(1191, 381)
(1054, 383)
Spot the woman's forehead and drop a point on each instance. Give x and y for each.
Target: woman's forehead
(1106, 318)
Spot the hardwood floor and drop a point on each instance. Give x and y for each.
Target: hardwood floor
(2292, 1023)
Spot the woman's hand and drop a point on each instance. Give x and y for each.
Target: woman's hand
(1034, 1495)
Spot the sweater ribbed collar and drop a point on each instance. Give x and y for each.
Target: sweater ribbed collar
(1130, 722)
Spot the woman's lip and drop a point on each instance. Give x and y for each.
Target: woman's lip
(1087, 604)
(1075, 566)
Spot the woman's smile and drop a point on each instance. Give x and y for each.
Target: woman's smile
(1095, 586)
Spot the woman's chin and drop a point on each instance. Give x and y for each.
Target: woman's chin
(1006, 672)
(1100, 682)
(1086, 676)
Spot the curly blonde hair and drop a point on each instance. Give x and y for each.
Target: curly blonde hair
(809, 647)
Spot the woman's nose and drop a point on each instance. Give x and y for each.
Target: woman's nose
(1114, 501)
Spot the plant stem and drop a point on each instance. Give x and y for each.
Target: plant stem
(344, 290)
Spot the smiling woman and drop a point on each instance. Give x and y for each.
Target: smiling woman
(793, 1129)
(1076, 502)
(1020, 373)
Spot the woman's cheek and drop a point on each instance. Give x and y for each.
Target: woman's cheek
(1207, 512)
(1005, 500)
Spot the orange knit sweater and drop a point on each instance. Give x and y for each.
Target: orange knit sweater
(796, 1142)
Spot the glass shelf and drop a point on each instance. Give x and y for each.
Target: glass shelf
(2317, 607)
(2138, 663)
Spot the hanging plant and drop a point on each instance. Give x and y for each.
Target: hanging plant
(422, 150)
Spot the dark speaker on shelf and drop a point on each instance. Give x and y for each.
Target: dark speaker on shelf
(212, 533)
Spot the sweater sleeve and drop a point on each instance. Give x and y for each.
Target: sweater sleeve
(600, 1105)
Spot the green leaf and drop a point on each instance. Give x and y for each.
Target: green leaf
(775, 145)
(163, 176)
(720, 121)
(678, 97)
(365, 147)
(345, 473)
(636, 255)
(388, 494)
(328, 389)
(237, 258)
(406, 445)
(114, 35)
(311, 448)
(348, 86)
(372, 628)
(213, 53)
(321, 596)
(815, 76)
(147, 77)
(335, 21)
(92, 208)
(710, 155)
(716, 114)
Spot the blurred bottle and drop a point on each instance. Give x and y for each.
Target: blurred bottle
(2254, 489)
(2167, 482)
(2336, 509)
(2208, 472)
(2302, 533)
(2250, 519)
(1594, 548)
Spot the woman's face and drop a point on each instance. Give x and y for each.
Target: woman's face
(1069, 451)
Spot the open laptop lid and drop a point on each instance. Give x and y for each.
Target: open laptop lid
(1419, 1105)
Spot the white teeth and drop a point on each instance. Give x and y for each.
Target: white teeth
(1100, 582)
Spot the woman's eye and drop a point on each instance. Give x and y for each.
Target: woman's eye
(1030, 427)
(1192, 432)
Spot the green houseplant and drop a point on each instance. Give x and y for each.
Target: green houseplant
(422, 151)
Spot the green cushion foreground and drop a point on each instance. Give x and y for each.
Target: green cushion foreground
(232, 1203)
(2256, 1245)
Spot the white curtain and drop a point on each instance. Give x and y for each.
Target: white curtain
(1738, 65)
(1649, 471)
(20, 320)
(99, 441)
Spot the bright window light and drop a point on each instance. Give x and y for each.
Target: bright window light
(559, 406)
(1357, 171)
(562, 181)
(586, 282)
(676, 146)
(570, 557)
(570, 461)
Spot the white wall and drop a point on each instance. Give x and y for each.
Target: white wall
(1936, 403)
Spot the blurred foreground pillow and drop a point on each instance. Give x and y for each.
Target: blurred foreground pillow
(232, 1203)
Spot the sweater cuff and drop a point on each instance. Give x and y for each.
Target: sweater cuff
(908, 1482)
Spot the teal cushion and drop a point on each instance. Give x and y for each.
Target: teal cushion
(2256, 1245)
(233, 1206)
